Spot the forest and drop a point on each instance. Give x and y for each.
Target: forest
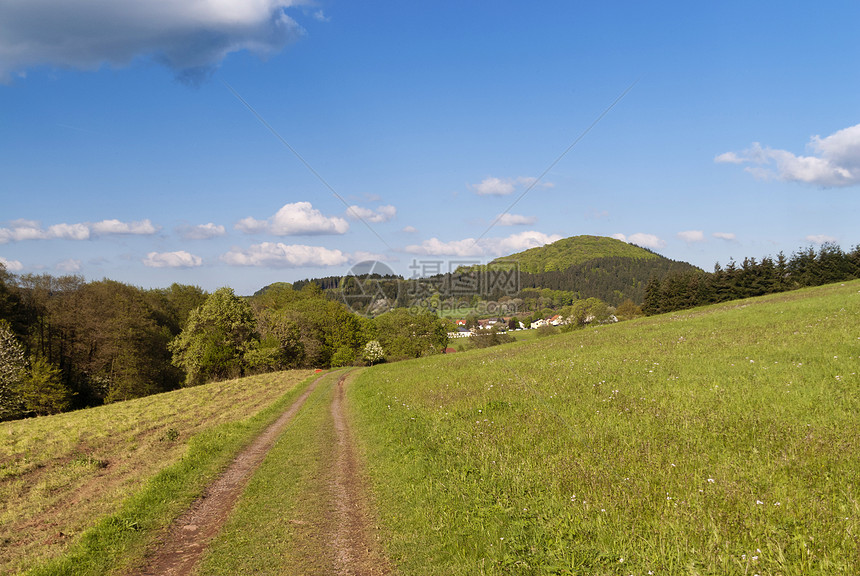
(804, 268)
(66, 343)
(611, 279)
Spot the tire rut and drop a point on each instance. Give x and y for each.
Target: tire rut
(355, 541)
(189, 535)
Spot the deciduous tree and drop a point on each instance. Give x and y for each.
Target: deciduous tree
(215, 339)
(42, 390)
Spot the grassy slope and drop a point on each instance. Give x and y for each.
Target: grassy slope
(568, 252)
(722, 440)
(60, 475)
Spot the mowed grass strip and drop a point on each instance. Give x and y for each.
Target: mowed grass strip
(69, 481)
(281, 524)
(721, 440)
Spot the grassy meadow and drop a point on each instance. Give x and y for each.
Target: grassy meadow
(722, 440)
(82, 482)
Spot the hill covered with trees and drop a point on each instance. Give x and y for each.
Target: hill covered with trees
(551, 276)
(594, 267)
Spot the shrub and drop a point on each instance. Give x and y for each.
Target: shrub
(543, 331)
(343, 356)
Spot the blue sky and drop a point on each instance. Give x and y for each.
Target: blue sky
(126, 150)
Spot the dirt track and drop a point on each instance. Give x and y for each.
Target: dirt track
(352, 540)
(355, 542)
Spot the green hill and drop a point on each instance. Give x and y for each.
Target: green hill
(593, 266)
(568, 252)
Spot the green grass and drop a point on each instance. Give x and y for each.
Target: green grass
(722, 440)
(94, 485)
(274, 528)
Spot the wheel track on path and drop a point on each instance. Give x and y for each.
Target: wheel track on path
(348, 524)
(189, 535)
(355, 541)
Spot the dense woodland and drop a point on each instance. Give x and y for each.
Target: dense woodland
(611, 279)
(66, 343)
(752, 278)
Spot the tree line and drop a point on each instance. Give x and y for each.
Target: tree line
(806, 267)
(66, 343)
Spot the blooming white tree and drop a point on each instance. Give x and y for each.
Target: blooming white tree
(12, 372)
(373, 352)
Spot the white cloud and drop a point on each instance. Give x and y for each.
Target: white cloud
(70, 265)
(469, 247)
(11, 265)
(362, 256)
(492, 186)
(202, 231)
(179, 259)
(111, 227)
(820, 238)
(278, 255)
(320, 16)
(251, 225)
(435, 247)
(641, 239)
(381, 214)
(409, 229)
(20, 230)
(515, 220)
(191, 37)
(690, 236)
(729, 158)
(69, 231)
(522, 241)
(834, 162)
(297, 219)
(729, 236)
